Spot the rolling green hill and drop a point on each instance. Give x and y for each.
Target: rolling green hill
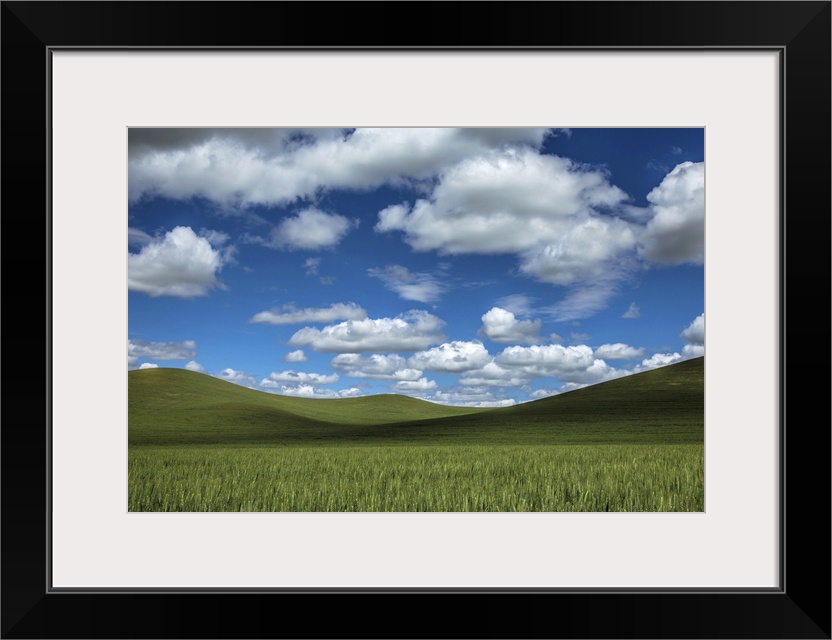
(665, 405)
(175, 406)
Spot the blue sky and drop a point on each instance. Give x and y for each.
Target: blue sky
(481, 267)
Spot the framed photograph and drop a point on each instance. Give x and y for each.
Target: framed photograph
(253, 154)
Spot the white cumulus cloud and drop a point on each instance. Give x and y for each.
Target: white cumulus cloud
(470, 397)
(452, 357)
(694, 333)
(193, 365)
(410, 331)
(501, 325)
(375, 367)
(568, 364)
(493, 375)
(693, 350)
(180, 264)
(237, 377)
(502, 202)
(149, 365)
(422, 384)
(237, 168)
(552, 359)
(298, 377)
(295, 356)
(694, 337)
(658, 360)
(676, 232)
(310, 229)
(309, 391)
(543, 393)
(298, 390)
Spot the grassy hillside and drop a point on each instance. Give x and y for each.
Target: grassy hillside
(174, 406)
(665, 405)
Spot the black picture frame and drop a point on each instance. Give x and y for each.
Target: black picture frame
(799, 608)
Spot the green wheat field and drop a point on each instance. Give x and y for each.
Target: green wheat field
(201, 444)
